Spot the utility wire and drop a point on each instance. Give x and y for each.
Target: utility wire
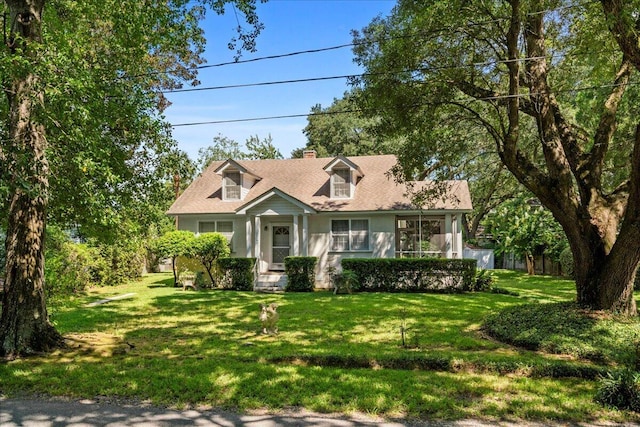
(353, 76)
(330, 113)
(277, 82)
(345, 45)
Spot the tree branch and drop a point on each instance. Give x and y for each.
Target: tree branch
(495, 98)
(624, 29)
(594, 163)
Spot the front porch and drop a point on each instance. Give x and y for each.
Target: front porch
(276, 226)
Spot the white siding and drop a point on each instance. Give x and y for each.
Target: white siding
(247, 183)
(382, 243)
(190, 223)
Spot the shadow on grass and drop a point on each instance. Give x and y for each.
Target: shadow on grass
(333, 353)
(168, 282)
(244, 385)
(564, 328)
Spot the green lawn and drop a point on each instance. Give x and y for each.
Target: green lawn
(334, 353)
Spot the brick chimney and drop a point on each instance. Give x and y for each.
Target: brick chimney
(309, 154)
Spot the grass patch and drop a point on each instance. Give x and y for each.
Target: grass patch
(334, 353)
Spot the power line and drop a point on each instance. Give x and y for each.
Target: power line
(345, 45)
(330, 113)
(277, 82)
(352, 76)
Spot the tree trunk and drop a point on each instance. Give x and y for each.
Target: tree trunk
(531, 264)
(175, 272)
(24, 324)
(604, 279)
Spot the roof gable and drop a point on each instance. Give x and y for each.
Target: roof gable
(342, 161)
(274, 192)
(231, 164)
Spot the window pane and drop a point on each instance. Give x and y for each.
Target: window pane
(231, 184)
(341, 176)
(206, 227)
(233, 193)
(359, 240)
(225, 226)
(232, 178)
(340, 235)
(359, 234)
(341, 183)
(340, 242)
(281, 236)
(339, 225)
(359, 225)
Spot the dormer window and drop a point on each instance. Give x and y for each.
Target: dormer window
(237, 180)
(231, 185)
(341, 184)
(344, 175)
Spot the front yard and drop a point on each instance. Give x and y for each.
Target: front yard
(333, 353)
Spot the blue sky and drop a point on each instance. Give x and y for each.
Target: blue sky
(290, 26)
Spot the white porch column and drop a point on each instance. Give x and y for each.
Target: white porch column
(459, 247)
(249, 236)
(448, 236)
(305, 235)
(296, 237)
(258, 230)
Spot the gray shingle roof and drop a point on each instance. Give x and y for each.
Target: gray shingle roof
(306, 181)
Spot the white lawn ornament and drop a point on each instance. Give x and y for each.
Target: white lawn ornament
(269, 318)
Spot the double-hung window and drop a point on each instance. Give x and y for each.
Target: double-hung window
(349, 235)
(341, 183)
(231, 186)
(223, 227)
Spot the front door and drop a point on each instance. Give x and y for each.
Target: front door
(280, 245)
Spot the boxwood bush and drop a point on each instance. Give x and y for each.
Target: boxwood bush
(236, 273)
(412, 274)
(300, 271)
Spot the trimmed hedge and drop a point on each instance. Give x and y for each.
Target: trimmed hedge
(236, 273)
(300, 271)
(412, 274)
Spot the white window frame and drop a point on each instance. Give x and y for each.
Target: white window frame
(228, 235)
(351, 236)
(226, 186)
(348, 184)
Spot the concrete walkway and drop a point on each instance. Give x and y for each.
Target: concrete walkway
(84, 413)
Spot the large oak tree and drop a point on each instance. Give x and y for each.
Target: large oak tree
(82, 125)
(551, 84)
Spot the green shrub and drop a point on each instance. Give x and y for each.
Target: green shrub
(125, 259)
(300, 273)
(344, 281)
(565, 328)
(412, 274)
(482, 282)
(236, 273)
(71, 267)
(566, 262)
(620, 390)
(208, 248)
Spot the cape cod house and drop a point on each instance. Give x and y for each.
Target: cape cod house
(330, 208)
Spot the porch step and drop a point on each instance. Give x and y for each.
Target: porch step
(271, 282)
